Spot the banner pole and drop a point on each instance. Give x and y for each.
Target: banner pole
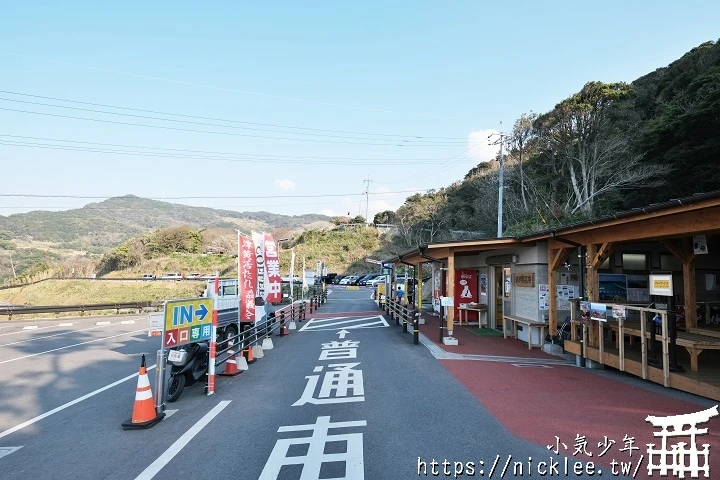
(213, 341)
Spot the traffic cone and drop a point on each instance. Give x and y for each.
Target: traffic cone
(144, 414)
(231, 365)
(249, 356)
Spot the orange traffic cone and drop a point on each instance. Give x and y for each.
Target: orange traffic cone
(231, 367)
(144, 414)
(249, 355)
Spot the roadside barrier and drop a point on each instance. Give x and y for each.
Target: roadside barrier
(143, 414)
(404, 315)
(139, 306)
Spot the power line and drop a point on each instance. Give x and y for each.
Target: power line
(164, 127)
(203, 155)
(179, 82)
(217, 119)
(191, 197)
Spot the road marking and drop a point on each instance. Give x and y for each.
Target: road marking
(39, 328)
(74, 345)
(102, 323)
(170, 413)
(175, 448)
(320, 324)
(4, 451)
(538, 365)
(127, 322)
(49, 336)
(64, 324)
(30, 327)
(68, 404)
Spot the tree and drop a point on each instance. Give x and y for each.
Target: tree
(594, 157)
(522, 134)
(386, 217)
(358, 219)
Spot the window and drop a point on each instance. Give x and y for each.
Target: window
(670, 263)
(606, 264)
(228, 290)
(634, 261)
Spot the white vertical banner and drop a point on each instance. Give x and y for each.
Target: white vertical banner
(292, 273)
(259, 242)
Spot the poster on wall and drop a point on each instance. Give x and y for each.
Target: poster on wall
(619, 311)
(483, 288)
(437, 285)
(598, 311)
(543, 297)
(466, 291)
(638, 288)
(612, 287)
(563, 294)
(584, 311)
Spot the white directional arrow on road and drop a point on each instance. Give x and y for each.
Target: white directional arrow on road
(342, 333)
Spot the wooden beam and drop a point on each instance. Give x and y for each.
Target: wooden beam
(679, 252)
(552, 300)
(603, 253)
(591, 282)
(656, 227)
(557, 257)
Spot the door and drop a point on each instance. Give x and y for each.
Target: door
(498, 294)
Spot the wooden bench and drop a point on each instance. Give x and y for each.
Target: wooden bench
(694, 343)
(530, 324)
(462, 312)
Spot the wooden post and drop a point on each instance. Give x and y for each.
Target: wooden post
(451, 290)
(419, 286)
(643, 344)
(690, 293)
(601, 346)
(665, 350)
(621, 336)
(591, 285)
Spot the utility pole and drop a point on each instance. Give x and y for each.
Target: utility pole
(367, 198)
(500, 141)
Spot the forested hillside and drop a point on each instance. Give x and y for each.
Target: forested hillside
(608, 148)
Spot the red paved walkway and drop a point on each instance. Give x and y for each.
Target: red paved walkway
(538, 404)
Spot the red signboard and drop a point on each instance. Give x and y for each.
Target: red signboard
(466, 291)
(273, 289)
(247, 278)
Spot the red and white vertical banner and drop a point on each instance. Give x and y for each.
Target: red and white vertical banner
(273, 287)
(259, 243)
(213, 341)
(247, 280)
(292, 274)
(466, 291)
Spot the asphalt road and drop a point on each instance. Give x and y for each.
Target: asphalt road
(390, 407)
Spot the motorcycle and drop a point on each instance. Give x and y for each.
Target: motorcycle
(189, 365)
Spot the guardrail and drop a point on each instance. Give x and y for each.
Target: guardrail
(404, 315)
(13, 310)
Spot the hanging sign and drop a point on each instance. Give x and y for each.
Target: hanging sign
(661, 284)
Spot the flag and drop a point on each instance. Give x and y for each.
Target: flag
(258, 242)
(273, 287)
(247, 278)
(292, 273)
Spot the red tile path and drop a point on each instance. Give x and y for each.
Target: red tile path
(538, 404)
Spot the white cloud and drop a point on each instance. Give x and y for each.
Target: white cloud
(285, 185)
(479, 143)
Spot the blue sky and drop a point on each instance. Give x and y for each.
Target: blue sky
(387, 91)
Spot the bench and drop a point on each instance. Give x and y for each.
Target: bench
(530, 324)
(463, 309)
(694, 343)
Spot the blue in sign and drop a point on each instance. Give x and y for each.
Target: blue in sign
(185, 313)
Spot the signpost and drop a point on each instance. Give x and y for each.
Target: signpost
(187, 321)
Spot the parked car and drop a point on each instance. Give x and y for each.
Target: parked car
(336, 280)
(148, 276)
(374, 282)
(172, 276)
(194, 276)
(348, 280)
(367, 278)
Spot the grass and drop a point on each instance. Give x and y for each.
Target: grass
(76, 292)
(486, 332)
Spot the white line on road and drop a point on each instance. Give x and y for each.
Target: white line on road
(30, 327)
(175, 448)
(102, 323)
(8, 450)
(64, 325)
(53, 335)
(38, 328)
(68, 404)
(70, 346)
(127, 322)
